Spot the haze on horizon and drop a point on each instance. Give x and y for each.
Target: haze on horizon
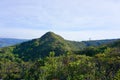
(73, 19)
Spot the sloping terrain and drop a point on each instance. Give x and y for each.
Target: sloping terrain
(41, 47)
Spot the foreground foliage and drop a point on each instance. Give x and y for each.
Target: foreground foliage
(102, 66)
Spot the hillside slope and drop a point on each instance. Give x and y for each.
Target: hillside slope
(41, 47)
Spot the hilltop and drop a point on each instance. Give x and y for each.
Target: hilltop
(41, 47)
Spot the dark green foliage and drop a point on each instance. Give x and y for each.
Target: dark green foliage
(39, 48)
(117, 76)
(65, 67)
(99, 42)
(93, 50)
(90, 51)
(116, 44)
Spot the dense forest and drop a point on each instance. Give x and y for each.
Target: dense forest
(53, 58)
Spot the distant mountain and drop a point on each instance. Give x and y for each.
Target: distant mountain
(76, 46)
(41, 47)
(115, 44)
(98, 42)
(4, 42)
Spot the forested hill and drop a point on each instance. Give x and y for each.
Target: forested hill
(25, 61)
(4, 42)
(41, 47)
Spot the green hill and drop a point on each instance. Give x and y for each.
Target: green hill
(41, 47)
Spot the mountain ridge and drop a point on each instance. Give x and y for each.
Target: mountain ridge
(4, 42)
(50, 42)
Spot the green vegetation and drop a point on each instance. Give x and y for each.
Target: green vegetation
(40, 48)
(53, 58)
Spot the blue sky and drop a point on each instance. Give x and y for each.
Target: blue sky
(73, 19)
